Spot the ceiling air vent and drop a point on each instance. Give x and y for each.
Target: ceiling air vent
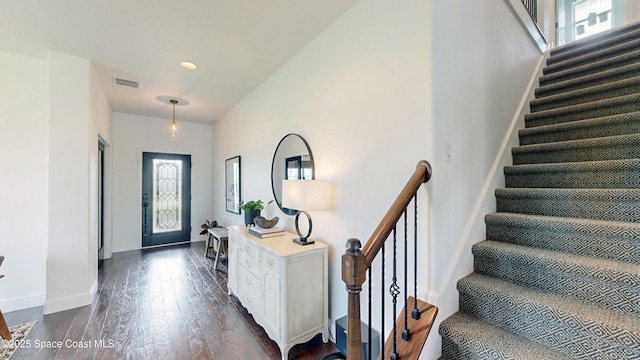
(125, 82)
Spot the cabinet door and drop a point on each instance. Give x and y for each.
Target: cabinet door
(271, 283)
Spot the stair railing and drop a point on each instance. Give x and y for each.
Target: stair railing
(532, 9)
(356, 265)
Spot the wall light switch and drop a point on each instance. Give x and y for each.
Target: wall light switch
(448, 152)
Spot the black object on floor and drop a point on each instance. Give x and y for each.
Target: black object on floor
(334, 356)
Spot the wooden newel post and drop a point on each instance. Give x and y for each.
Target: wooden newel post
(354, 272)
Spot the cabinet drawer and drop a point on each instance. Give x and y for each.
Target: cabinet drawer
(250, 301)
(251, 249)
(270, 261)
(250, 281)
(251, 264)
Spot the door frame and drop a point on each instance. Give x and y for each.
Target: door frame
(147, 239)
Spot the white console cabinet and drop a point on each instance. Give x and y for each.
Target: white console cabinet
(282, 284)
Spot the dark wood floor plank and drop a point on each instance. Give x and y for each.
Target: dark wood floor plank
(166, 303)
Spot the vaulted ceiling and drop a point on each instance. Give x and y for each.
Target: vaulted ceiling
(235, 43)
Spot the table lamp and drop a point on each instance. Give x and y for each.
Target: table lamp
(304, 195)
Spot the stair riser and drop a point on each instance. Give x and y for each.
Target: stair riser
(604, 179)
(585, 97)
(618, 125)
(577, 72)
(561, 279)
(588, 49)
(584, 209)
(610, 107)
(595, 39)
(546, 326)
(598, 245)
(590, 80)
(596, 55)
(623, 150)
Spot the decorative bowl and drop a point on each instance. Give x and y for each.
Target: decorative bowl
(265, 223)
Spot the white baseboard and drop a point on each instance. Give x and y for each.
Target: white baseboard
(94, 289)
(126, 247)
(71, 302)
(23, 302)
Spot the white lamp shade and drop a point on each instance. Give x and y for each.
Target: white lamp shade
(304, 194)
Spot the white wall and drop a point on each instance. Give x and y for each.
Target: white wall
(99, 128)
(359, 94)
(632, 11)
(78, 108)
(382, 88)
(53, 110)
(101, 118)
(482, 65)
(24, 138)
(133, 135)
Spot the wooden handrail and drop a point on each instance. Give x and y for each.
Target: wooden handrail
(357, 260)
(421, 175)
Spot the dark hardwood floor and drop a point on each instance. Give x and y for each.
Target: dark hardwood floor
(166, 303)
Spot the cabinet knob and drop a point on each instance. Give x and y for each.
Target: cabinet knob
(270, 261)
(248, 264)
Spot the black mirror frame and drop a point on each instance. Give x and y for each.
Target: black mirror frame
(313, 172)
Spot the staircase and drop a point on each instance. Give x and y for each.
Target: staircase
(559, 274)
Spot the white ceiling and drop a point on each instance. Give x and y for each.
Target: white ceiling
(235, 43)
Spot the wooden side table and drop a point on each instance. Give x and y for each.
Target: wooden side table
(221, 236)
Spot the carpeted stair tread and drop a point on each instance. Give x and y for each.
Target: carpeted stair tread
(603, 204)
(581, 330)
(609, 284)
(602, 148)
(595, 109)
(612, 89)
(591, 56)
(627, 58)
(609, 174)
(460, 341)
(620, 124)
(594, 46)
(559, 271)
(612, 240)
(596, 38)
(589, 80)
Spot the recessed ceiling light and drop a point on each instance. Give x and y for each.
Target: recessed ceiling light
(188, 65)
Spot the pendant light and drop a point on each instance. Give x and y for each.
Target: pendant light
(172, 131)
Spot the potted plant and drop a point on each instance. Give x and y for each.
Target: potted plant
(251, 209)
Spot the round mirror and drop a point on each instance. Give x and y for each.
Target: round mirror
(291, 160)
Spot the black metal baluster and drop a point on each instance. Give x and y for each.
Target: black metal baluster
(395, 291)
(532, 9)
(405, 331)
(369, 325)
(415, 314)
